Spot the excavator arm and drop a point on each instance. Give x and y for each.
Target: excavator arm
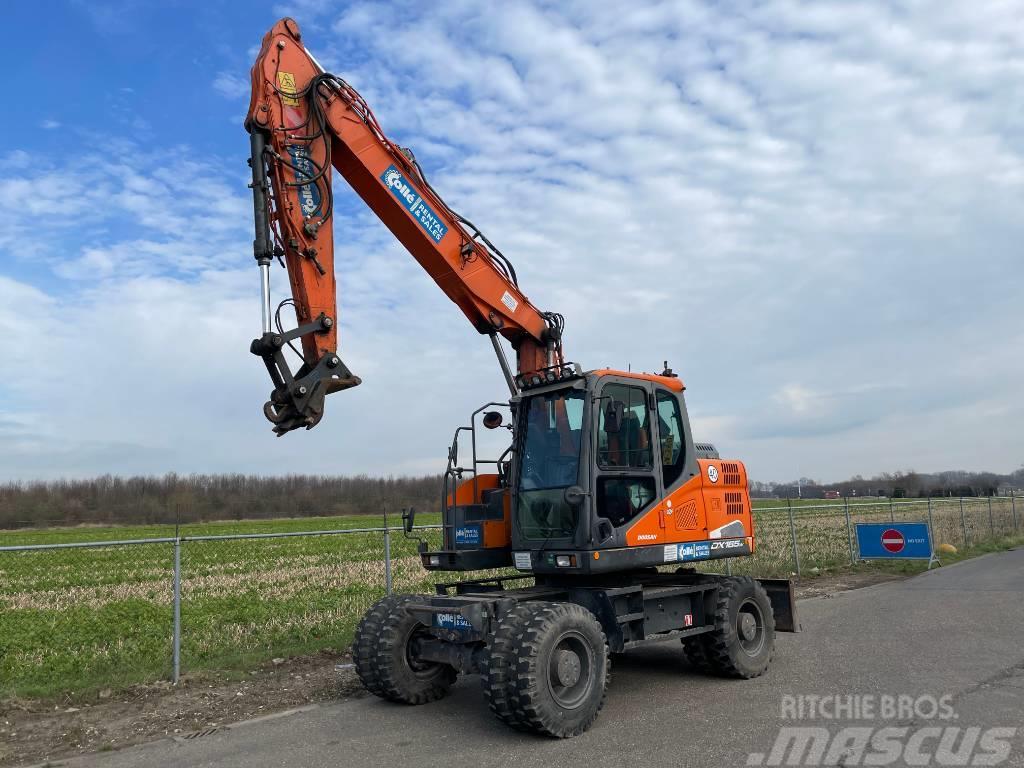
(302, 122)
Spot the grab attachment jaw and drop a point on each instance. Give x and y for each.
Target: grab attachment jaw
(297, 400)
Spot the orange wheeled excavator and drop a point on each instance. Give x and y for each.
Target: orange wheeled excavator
(602, 502)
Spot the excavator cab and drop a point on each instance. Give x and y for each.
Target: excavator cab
(601, 474)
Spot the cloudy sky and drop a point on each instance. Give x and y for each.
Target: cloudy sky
(813, 211)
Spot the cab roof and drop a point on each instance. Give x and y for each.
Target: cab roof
(673, 383)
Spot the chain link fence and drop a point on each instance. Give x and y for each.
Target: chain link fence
(80, 616)
(796, 538)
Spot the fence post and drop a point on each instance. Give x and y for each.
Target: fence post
(991, 522)
(792, 533)
(849, 529)
(892, 513)
(931, 525)
(176, 640)
(963, 521)
(387, 559)
(1013, 509)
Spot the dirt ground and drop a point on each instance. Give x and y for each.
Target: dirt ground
(829, 584)
(31, 732)
(34, 732)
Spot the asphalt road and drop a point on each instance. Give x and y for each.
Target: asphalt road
(955, 631)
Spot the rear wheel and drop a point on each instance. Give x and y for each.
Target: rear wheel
(562, 669)
(384, 659)
(743, 641)
(696, 654)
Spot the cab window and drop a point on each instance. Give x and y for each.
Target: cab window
(621, 499)
(670, 430)
(630, 446)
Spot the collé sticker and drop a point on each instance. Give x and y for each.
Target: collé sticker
(411, 199)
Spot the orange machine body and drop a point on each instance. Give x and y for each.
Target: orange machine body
(700, 510)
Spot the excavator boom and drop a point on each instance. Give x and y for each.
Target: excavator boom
(302, 122)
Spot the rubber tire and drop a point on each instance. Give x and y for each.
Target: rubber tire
(364, 644)
(498, 669)
(695, 652)
(382, 661)
(534, 705)
(722, 646)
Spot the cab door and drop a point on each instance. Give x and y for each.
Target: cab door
(683, 515)
(626, 478)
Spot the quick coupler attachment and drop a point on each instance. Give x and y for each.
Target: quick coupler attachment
(297, 400)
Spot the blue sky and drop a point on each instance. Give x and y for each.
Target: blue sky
(813, 211)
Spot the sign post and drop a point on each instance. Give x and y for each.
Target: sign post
(895, 541)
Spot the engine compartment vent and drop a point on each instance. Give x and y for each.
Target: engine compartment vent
(730, 473)
(733, 503)
(706, 451)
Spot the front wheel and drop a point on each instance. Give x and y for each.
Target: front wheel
(561, 669)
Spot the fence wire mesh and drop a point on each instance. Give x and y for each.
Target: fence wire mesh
(84, 615)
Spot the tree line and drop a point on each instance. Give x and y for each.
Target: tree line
(908, 484)
(111, 500)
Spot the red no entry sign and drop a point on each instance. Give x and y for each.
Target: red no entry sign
(893, 540)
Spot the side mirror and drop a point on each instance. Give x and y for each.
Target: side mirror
(613, 414)
(492, 419)
(574, 495)
(409, 519)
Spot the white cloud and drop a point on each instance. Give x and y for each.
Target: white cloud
(231, 85)
(813, 211)
(49, 124)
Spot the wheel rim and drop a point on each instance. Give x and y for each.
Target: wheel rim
(421, 669)
(750, 627)
(570, 670)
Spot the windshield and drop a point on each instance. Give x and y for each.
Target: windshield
(549, 463)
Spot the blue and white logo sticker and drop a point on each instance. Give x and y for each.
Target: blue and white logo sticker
(452, 621)
(309, 194)
(699, 550)
(468, 535)
(410, 198)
